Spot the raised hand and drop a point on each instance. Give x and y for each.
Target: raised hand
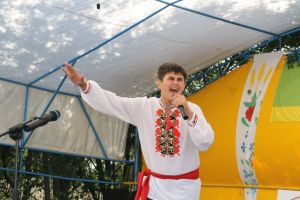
(179, 99)
(74, 76)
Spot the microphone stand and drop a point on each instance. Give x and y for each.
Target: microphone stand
(16, 133)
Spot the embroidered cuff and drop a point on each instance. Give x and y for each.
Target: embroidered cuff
(192, 122)
(88, 88)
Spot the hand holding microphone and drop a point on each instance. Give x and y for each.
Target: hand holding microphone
(182, 112)
(181, 103)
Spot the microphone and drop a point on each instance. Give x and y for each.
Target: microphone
(182, 112)
(41, 121)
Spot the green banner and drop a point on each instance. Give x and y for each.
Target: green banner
(286, 104)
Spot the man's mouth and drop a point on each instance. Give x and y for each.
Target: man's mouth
(174, 91)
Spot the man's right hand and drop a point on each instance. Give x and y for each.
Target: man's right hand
(74, 76)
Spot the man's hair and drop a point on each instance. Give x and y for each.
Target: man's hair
(170, 67)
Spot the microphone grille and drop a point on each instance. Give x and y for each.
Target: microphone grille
(55, 114)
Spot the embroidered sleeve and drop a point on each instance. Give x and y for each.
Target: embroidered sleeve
(199, 129)
(127, 109)
(87, 89)
(192, 122)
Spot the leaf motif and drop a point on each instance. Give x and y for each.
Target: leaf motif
(247, 162)
(253, 100)
(248, 104)
(244, 122)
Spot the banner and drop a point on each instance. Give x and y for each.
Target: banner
(288, 195)
(250, 104)
(286, 104)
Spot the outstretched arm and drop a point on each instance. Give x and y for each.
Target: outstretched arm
(126, 109)
(74, 76)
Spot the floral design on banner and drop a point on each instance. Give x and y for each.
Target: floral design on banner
(255, 88)
(167, 133)
(257, 84)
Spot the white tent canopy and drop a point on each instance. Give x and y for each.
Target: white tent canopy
(134, 38)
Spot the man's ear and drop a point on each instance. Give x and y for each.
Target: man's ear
(158, 83)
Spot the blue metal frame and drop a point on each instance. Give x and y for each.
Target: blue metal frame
(70, 154)
(46, 108)
(74, 60)
(24, 119)
(221, 19)
(245, 53)
(36, 87)
(62, 177)
(106, 41)
(93, 127)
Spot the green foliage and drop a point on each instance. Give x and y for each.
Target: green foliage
(290, 44)
(39, 187)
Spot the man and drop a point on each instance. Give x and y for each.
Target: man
(170, 144)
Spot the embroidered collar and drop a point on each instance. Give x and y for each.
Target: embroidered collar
(164, 107)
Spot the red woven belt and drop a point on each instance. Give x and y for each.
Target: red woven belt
(143, 186)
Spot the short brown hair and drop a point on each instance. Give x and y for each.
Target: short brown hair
(170, 67)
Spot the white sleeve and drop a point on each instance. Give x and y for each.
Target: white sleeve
(126, 109)
(200, 131)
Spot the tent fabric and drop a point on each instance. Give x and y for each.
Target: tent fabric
(71, 133)
(37, 36)
(133, 38)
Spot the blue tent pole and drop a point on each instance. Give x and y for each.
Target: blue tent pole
(48, 105)
(221, 19)
(62, 177)
(93, 127)
(296, 30)
(280, 42)
(106, 41)
(24, 119)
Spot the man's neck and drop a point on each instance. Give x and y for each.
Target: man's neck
(166, 104)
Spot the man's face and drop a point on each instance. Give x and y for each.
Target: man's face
(172, 83)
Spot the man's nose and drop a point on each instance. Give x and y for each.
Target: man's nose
(176, 81)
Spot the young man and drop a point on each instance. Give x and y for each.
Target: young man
(170, 144)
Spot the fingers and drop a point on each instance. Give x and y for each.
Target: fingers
(73, 75)
(68, 69)
(179, 100)
(69, 66)
(64, 70)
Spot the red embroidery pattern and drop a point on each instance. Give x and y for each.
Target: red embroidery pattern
(167, 133)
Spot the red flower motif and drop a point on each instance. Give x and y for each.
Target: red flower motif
(249, 113)
(176, 113)
(167, 140)
(158, 131)
(175, 123)
(159, 112)
(158, 122)
(176, 133)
